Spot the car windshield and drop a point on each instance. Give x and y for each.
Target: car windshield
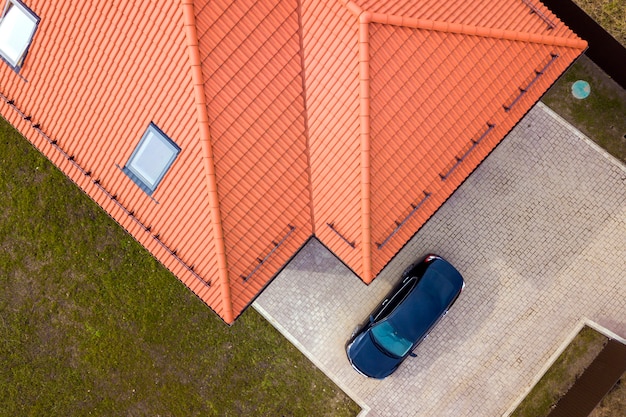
(386, 336)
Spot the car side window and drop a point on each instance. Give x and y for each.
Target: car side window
(394, 298)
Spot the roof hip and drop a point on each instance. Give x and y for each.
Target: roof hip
(471, 30)
(365, 145)
(207, 156)
(366, 180)
(461, 29)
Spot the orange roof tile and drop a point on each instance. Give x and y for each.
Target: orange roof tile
(432, 79)
(350, 120)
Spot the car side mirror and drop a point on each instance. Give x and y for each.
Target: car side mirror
(413, 355)
(371, 318)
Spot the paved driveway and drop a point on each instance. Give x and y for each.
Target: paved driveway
(539, 233)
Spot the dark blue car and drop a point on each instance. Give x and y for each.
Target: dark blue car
(405, 317)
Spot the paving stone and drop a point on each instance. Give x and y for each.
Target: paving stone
(539, 233)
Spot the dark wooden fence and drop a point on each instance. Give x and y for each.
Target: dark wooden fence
(604, 50)
(594, 383)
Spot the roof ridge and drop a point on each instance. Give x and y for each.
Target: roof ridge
(471, 30)
(354, 8)
(189, 22)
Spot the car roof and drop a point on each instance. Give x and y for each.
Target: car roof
(430, 298)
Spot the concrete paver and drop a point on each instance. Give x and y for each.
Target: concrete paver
(539, 233)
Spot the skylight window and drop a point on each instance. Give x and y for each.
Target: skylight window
(151, 160)
(17, 28)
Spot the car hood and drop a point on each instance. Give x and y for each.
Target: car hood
(368, 359)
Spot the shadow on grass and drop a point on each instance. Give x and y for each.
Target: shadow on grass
(92, 324)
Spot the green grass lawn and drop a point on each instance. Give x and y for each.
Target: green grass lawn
(92, 324)
(610, 14)
(601, 116)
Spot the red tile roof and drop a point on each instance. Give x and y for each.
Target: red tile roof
(252, 72)
(353, 121)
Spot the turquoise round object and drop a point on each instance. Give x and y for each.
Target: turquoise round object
(581, 89)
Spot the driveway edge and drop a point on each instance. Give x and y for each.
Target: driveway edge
(365, 409)
(581, 135)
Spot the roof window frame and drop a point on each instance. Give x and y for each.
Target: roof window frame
(17, 62)
(132, 167)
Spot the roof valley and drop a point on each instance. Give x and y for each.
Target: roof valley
(306, 115)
